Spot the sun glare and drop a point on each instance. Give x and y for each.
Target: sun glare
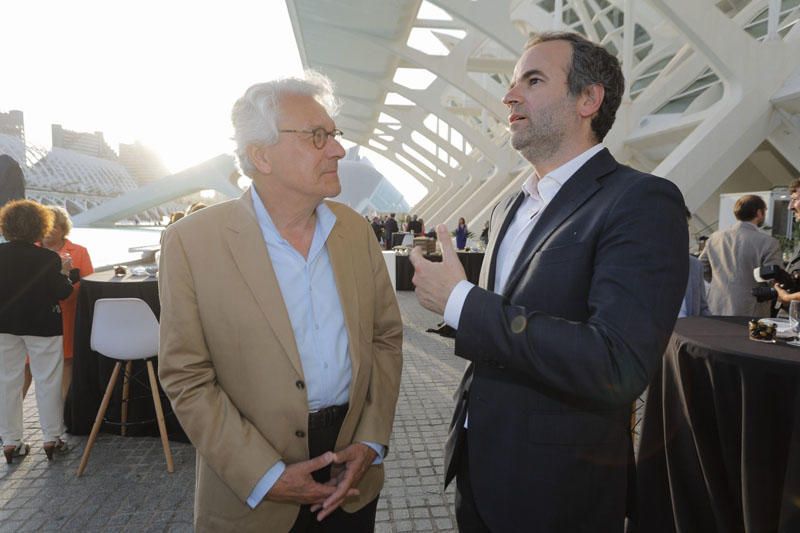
(165, 74)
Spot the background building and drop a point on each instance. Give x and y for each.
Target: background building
(92, 144)
(13, 124)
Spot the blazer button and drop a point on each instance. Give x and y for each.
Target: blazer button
(300, 385)
(300, 434)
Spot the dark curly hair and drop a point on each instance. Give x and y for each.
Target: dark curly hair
(25, 220)
(591, 64)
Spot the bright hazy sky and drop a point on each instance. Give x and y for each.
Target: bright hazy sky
(165, 72)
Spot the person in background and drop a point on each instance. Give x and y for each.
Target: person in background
(415, 226)
(197, 206)
(694, 300)
(794, 207)
(485, 234)
(390, 228)
(175, 216)
(377, 227)
(32, 281)
(461, 234)
(58, 242)
(730, 256)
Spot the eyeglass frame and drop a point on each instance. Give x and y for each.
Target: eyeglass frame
(335, 132)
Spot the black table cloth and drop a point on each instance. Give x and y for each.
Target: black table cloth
(720, 443)
(91, 371)
(404, 271)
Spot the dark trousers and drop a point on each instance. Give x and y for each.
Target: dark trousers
(467, 516)
(321, 440)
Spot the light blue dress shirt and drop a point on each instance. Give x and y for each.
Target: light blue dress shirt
(312, 300)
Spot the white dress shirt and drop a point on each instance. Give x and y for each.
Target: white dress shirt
(538, 193)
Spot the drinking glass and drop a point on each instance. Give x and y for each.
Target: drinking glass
(794, 316)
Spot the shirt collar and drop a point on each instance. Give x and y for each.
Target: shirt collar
(326, 219)
(547, 186)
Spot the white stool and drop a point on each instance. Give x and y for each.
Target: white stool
(125, 329)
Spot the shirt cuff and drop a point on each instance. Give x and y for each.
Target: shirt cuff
(380, 449)
(265, 484)
(452, 311)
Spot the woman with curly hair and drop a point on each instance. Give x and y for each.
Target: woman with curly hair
(32, 281)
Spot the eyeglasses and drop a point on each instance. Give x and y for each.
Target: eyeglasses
(319, 135)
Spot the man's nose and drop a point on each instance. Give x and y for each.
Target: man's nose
(335, 149)
(511, 97)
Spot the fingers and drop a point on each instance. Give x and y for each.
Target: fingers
(448, 250)
(319, 462)
(416, 257)
(326, 511)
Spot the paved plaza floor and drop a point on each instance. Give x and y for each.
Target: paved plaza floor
(126, 486)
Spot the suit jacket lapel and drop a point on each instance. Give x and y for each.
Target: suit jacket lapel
(509, 210)
(347, 287)
(577, 190)
(250, 254)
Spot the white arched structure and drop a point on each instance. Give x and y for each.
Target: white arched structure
(712, 96)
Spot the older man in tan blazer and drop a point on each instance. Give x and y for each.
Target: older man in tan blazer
(731, 255)
(280, 332)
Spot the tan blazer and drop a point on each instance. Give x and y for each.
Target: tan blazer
(728, 262)
(229, 363)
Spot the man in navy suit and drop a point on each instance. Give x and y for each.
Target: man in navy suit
(578, 295)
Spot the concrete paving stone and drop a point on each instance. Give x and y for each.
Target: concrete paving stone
(423, 525)
(384, 528)
(421, 512)
(33, 524)
(444, 524)
(404, 526)
(10, 526)
(401, 514)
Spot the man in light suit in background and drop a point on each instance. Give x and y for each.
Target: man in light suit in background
(579, 291)
(280, 333)
(731, 255)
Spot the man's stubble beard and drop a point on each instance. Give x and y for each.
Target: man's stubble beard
(543, 136)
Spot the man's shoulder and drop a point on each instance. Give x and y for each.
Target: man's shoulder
(626, 177)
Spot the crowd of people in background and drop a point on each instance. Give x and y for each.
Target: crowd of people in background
(385, 226)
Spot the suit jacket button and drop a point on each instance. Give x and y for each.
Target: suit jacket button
(300, 434)
(300, 385)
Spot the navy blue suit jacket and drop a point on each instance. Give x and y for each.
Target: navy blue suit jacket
(559, 357)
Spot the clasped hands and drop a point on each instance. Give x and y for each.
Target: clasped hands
(347, 468)
(435, 281)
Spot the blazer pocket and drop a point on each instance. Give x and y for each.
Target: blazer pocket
(573, 428)
(561, 254)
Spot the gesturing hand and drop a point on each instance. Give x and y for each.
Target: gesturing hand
(296, 484)
(351, 463)
(435, 281)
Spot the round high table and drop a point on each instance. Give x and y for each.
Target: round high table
(91, 370)
(720, 442)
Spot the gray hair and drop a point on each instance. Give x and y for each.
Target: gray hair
(255, 115)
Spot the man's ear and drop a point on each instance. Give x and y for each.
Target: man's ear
(591, 99)
(259, 158)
